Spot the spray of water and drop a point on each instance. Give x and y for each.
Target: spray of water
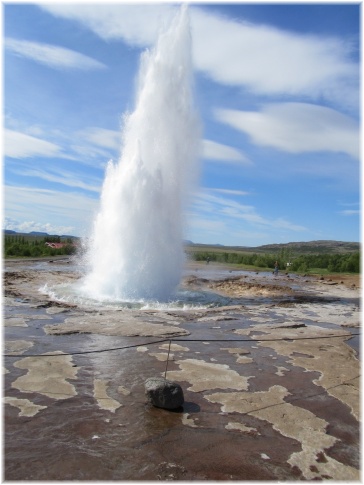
(136, 249)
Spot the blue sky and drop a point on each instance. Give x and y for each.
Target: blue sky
(277, 88)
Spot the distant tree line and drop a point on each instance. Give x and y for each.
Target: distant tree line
(333, 263)
(22, 246)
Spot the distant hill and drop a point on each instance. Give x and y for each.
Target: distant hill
(33, 233)
(297, 248)
(321, 246)
(36, 234)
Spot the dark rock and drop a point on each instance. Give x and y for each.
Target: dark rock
(163, 393)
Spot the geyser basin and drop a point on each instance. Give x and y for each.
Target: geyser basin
(73, 293)
(136, 248)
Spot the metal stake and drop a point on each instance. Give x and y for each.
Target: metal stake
(169, 348)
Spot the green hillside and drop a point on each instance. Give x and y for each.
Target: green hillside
(305, 257)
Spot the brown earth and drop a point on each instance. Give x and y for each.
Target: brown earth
(348, 280)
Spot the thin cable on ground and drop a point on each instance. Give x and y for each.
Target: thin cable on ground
(289, 399)
(180, 339)
(86, 351)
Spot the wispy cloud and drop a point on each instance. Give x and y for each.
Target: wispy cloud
(63, 177)
(101, 137)
(229, 191)
(349, 212)
(91, 146)
(212, 206)
(296, 127)
(21, 145)
(223, 153)
(349, 204)
(224, 221)
(52, 56)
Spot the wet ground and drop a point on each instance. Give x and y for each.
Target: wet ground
(269, 367)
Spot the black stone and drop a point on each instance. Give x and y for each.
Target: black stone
(163, 393)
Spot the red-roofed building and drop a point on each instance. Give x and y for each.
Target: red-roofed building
(55, 245)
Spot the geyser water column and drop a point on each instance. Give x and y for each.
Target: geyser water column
(136, 249)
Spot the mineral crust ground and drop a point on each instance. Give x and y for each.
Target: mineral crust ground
(270, 376)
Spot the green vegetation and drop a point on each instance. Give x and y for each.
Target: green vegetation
(315, 257)
(35, 246)
(303, 263)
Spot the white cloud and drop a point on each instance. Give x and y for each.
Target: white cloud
(216, 151)
(43, 205)
(91, 146)
(229, 191)
(205, 231)
(262, 58)
(88, 155)
(272, 61)
(219, 220)
(101, 137)
(30, 226)
(296, 127)
(21, 145)
(69, 179)
(52, 56)
(136, 24)
(214, 208)
(350, 212)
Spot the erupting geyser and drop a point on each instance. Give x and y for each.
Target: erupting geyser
(136, 249)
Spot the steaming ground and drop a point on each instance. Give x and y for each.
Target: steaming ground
(269, 368)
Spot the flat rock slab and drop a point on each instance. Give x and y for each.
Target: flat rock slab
(114, 324)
